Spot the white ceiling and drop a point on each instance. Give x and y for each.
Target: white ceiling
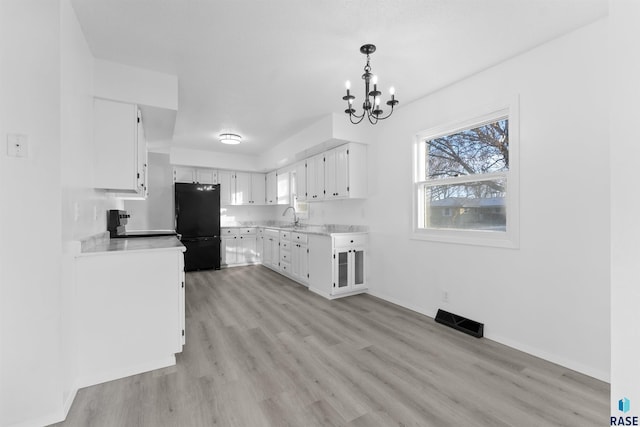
(268, 68)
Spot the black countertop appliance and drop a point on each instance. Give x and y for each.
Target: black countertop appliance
(198, 224)
(116, 226)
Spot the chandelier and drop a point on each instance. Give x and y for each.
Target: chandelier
(371, 105)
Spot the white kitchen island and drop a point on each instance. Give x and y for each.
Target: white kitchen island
(128, 307)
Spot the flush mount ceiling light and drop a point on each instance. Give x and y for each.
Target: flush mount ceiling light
(230, 138)
(371, 105)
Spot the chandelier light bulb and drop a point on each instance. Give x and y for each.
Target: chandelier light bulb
(347, 85)
(374, 80)
(392, 91)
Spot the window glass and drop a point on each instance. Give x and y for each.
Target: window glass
(482, 149)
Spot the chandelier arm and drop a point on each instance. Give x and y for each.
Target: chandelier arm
(351, 116)
(387, 116)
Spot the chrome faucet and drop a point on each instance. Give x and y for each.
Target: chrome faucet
(295, 217)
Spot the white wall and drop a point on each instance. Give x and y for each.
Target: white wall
(550, 297)
(30, 214)
(83, 208)
(135, 85)
(625, 204)
(157, 211)
(47, 201)
(211, 159)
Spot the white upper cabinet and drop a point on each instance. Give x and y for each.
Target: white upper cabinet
(184, 174)
(346, 172)
(195, 175)
(206, 176)
(336, 181)
(315, 178)
(258, 189)
(301, 181)
(227, 182)
(272, 188)
(119, 162)
(243, 188)
(283, 188)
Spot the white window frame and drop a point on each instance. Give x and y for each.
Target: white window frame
(505, 239)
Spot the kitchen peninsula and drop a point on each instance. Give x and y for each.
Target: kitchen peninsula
(129, 306)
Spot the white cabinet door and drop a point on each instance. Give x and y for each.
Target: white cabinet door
(330, 174)
(284, 190)
(260, 246)
(184, 174)
(227, 187)
(258, 189)
(243, 188)
(301, 182)
(315, 178)
(336, 179)
(229, 250)
(115, 146)
(300, 262)
(272, 188)
(247, 249)
(267, 250)
(341, 171)
(206, 176)
(143, 166)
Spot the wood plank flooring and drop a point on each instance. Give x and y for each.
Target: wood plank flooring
(264, 351)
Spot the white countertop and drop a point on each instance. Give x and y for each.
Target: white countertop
(101, 246)
(324, 230)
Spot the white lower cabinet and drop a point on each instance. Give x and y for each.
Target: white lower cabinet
(238, 246)
(271, 249)
(300, 258)
(337, 264)
(129, 313)
(285, 252)
(332, 266)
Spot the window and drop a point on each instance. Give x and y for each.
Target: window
(465, 188)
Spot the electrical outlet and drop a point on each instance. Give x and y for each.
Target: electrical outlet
(445, 296)
(16, 145)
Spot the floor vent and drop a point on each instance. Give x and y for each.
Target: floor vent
(460, 323)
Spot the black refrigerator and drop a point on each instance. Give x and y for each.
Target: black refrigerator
(198, 224)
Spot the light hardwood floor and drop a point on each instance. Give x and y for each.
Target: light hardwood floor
(264, 351)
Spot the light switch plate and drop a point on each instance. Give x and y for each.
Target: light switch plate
(17, 145)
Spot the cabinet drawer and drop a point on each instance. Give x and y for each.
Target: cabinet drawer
(285, 267)
(285, 245)
(229, 231)
(285, 235)
(285, 256)
(248, 230)
(299, 238)
(350, 240)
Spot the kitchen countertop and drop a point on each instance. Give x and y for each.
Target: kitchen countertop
(107, 245)
(324, 230)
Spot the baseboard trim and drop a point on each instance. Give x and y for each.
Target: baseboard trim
(123, 372)
(586, 370)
